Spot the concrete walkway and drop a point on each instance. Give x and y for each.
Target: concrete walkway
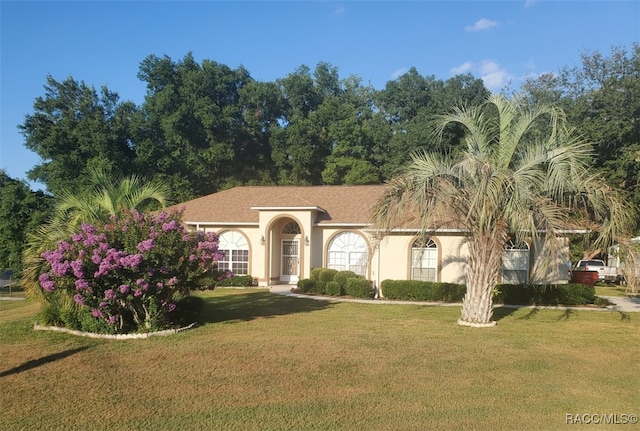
(622, 304)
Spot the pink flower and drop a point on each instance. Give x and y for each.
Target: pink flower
(146, 245)
(78, 299)
(131, 261)
(124, 288)
(81, 284)
(46, 282)
(76, 266)
(169, 226)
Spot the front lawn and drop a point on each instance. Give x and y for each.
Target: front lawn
(267, 362)
(610, 290)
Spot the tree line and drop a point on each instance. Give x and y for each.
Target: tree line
(204, 127)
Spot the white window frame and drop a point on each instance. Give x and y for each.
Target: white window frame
(515, 263)
(348, 251)
(235, 249)
(424, 261)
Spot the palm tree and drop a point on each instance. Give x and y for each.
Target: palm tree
(523, 174)
(107, 196)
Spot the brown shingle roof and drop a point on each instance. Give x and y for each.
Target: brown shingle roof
(341, 204)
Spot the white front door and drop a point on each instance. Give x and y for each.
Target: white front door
(290, 259)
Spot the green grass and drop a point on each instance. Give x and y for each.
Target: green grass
(610, 290)
(266, 362)
(14, 290)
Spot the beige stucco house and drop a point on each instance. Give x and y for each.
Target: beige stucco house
(277, 234)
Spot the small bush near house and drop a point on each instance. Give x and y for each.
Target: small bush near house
(315, 273)
(306, 285)
(333, 288)
(236, 281)
(342, 276)
(415, 290)
(359, 288)
(320, 287)
(557, 294)
(327, 274)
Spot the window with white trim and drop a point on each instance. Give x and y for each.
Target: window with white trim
(515, 263)
(424, 260)
(235, 250)
(291, 228)
(348, 251)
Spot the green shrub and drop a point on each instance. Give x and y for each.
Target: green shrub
(69, 315)
(236, 281)
(320, 287)
(187, 311)
(333, 288)
(315, 273)
(306, 285)
(557, 294)
(359, 288)
(415, 290)
(327, 274)
(602, 302)
(88, 323)
(342, 276)
(51, 315)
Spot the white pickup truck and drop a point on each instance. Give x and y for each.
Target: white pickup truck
(605, 273)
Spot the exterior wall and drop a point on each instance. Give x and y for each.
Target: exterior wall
(252, 234)
(558, 270)
(390, 259)
(393, 260)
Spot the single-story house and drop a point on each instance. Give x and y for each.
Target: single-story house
(278, 234)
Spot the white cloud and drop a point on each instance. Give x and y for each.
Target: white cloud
(398, 73)
(463, 68)
(481, 25)
(339, 10)
(529, 3)
(494, 77)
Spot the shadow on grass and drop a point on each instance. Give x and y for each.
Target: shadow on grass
(42, 361)
(624, 317)
(501, 312)
(249, 306)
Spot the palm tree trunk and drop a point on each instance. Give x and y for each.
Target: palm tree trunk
(484, 266)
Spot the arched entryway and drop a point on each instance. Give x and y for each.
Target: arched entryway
(290, 252)
(286, 250)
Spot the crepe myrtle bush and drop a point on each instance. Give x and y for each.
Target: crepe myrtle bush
(131, 271)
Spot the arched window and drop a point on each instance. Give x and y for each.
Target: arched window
(515, 263)
(424, 260)
(235, 248)
(291, 228)
(348, 251)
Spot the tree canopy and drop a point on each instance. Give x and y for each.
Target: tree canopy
(601, 98)
(21, 211)
(204, 127)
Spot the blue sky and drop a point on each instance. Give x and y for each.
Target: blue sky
(103, 43)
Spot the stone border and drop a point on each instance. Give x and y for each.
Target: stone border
(37, 327)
